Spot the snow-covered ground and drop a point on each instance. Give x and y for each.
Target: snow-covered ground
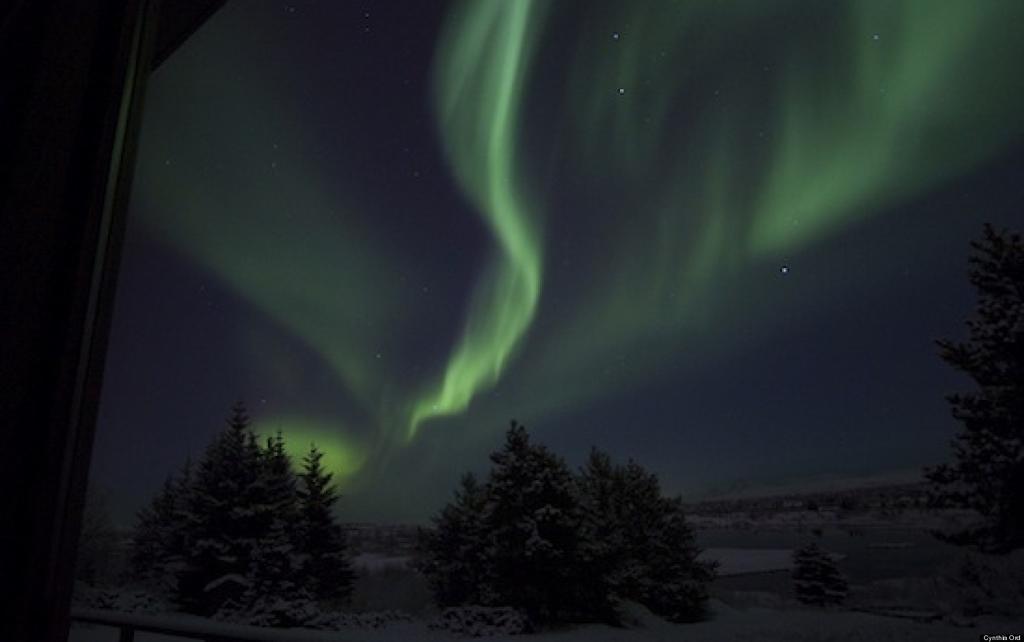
(736, 561)
(731, 561)
(739, 561)
(764, 625)
(374, 562)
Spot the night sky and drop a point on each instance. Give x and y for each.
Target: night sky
(719, 238)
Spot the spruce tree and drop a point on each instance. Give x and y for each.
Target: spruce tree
(324, 567)
(454, 553)
(646, 550)
(563, 548)
(274, 511)
(816, 578)
(226, 527)
(182, 527)
(533, 520)
(277, 594)
(150, 536)
(987, 474)
(605, 518)
(161, 536)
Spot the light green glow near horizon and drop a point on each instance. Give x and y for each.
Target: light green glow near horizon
(479, 76)
(342, 457)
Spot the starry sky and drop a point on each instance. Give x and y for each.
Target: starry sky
(719, 238)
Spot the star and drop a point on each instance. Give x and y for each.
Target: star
(615, 35)
(622, 90)
(784, 269)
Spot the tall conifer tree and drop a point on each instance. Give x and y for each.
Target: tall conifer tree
(987, 473)
(325, 566)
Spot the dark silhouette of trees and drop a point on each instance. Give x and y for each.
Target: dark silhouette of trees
(816, 578)
(661, 551)
(534, 528)
(457, 565)
(226, 519)
(276, 591)
(638, 542)
(97, 540)
(243, 534)
(160, 540)
(564, 547)
(987, 472)
(324, 563)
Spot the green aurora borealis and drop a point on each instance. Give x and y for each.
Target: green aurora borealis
(627, 177)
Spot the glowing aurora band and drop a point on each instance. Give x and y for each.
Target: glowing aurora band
(692, 198)
(479, 78)
(720, 165)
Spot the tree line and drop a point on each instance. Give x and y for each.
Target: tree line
(564, 546)
(243, 533)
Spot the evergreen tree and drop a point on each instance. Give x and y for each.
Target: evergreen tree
(225, 524)
(454, 553)
(151, 535)
(987, 474)
(274, 511)
(676, 582)
(605, 519)
(180, 533)
(276, 594)
(639, 541)
(161, 535)
(97, 540)
(533, 521)
(324, 566)
(564, 548)
(816, 577)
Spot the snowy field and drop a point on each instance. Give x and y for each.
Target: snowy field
(737, 561)
(767, 625)
(731, 561)
(374, 562)
(892, 570)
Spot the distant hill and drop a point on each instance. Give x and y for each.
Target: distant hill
(816, 484)
(899, 489)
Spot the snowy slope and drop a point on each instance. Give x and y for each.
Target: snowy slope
(763, 625)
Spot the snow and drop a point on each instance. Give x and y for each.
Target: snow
(232, 578)
(737, 561)
(373, 562)
(766, 625)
